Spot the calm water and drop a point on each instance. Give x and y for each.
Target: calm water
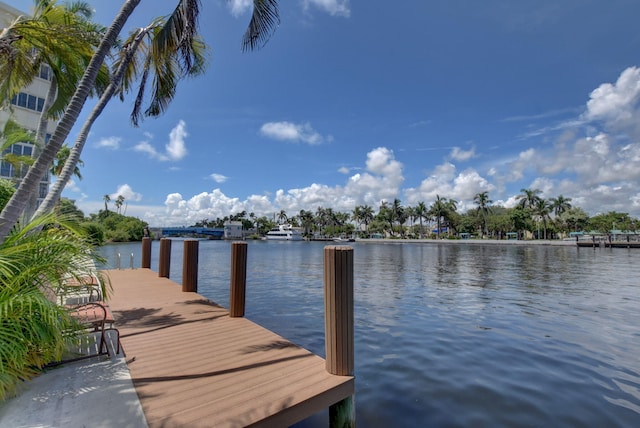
(456, 335)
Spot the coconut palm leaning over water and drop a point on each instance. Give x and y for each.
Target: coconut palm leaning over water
(180, 35)
(34, 256)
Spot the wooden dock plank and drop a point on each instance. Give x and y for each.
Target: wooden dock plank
(193, 365)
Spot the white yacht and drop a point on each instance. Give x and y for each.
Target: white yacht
(284, 232)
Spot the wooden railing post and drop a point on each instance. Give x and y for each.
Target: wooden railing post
(164, 261)
(146, 253)
(238, 279)
(338, 326)
(190, 266)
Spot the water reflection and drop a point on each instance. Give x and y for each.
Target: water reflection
(460, 335)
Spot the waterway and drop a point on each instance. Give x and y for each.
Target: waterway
(455, 335)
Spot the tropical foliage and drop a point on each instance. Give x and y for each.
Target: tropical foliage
(34, 329)
(532, 218)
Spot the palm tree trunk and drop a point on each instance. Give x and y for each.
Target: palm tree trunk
(74, 156)
(41, 136)
(14, 208)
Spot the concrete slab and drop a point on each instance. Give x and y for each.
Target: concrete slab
(95, 392)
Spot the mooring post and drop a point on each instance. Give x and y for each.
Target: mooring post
(338, 326)
(238, 279)
(146, 253)
(190, 266)
(164, 261)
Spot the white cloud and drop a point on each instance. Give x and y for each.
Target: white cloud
(239, 7)
(595, 164)
(381, 181)
(287, 131)
(218, 178)
(616, 102)
(462, 155)
(112, 143)
(333, 7)
(175, 148)
(127, 192)
(145, 147)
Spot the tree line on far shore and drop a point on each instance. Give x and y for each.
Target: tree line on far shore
(533, 217)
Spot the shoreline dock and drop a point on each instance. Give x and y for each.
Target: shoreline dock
(193, 365)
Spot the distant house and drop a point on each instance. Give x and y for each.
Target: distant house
(233, 230)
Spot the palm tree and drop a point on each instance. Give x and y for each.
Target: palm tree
(482, 200)
(529, 197)
(542, 210)
(169, 49)
(397, 214)
(119, 202)
(560, 204)
(66, 57)
(264, 18)
(438, 210)
(306, 221)
(106, 199)
(282, 217)
(153, 48)
(421, 212)
(14, 208)
(366, 216)
(61, 159)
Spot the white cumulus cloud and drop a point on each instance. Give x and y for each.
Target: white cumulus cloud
(287, 131)
(109, 143)
(333, 7)
(175, 149)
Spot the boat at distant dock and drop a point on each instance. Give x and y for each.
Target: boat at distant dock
(284, 232)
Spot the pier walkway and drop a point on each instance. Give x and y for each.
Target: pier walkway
(193, 365)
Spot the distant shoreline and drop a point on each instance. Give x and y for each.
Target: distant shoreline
(466, 241)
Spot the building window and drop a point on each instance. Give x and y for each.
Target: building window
(5, 169)
(45, 72)
(30, 102)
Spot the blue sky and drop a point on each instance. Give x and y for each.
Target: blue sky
(356, 102)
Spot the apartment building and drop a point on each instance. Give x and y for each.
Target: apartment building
(25, 109)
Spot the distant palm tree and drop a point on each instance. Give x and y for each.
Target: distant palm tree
(421, 212)
(560, 205)
(484, 206)
(282, 217)
(438, 210)
(106, 199)
(542, 210)
(366, 215)
(529, 197)
(119, 202)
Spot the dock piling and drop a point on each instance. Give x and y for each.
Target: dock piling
(146, 253)
(338, 315)
(190, 266)
(164, 261)
(238, 279)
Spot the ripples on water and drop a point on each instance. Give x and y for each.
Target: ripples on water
(455, 334)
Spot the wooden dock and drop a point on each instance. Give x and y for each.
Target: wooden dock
(193, 365)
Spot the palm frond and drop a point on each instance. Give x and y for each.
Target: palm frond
(264, 21)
